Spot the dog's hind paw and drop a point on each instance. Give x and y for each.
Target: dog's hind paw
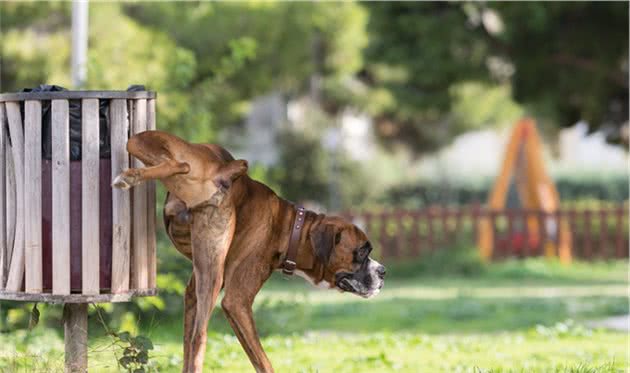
(124, 182)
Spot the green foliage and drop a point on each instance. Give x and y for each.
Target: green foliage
(459, 260)
(14, 315)
(189, 106)
(411, 67)
(476, 106)
(554, 270)
(563, 329)
(135, 351)
(572, 189)
(464, 261)
(34, 318)
(26, 57)
(280, 314)
(306, 171)
(560, 63)
(613, 187)
(551, 54)
(302, 174)
(248, 49)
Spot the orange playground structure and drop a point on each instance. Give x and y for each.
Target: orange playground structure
(536, 192)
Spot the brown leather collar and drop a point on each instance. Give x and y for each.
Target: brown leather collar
(289, 264)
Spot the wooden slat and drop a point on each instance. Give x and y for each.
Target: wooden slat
(479, 224)
(509, 215)
(604, 245)
(33, 200)
(543, 236)
(407, 234)
(620, 247)
(90, 196)
(395, 223)
(76, 95)
(458, 223)
(151, 118)
(16, 270)
(498, 249)
(407, 231)
(3, 210)
(130, 106)
(526, 234)
(588, 249)
(10, 201)
(77, 298)
(382, 235)
(559, 236)
(151, 234)
(427, 231)
(444, 234)
(121, 221)
(415, 234)
(140, 278)
(625, 235)
(576, 239)
(60, 197)
(430, 238)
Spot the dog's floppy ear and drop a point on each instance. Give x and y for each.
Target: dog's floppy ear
(323, 239)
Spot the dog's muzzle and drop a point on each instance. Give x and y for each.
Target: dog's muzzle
(366, 282)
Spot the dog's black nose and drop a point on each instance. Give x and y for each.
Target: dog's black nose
(380, 270)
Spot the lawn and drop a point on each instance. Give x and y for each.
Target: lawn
(513, 317)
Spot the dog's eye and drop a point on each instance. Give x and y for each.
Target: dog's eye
(363, 252)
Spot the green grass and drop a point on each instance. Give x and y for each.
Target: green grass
(529, 316)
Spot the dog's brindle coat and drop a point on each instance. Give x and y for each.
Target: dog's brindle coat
(236, 232)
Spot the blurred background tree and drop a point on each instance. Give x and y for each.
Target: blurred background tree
(551, 54)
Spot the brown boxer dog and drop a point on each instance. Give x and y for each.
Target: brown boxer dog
(237, 231)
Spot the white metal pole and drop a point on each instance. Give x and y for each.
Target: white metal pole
(79, 42)
(75, 315)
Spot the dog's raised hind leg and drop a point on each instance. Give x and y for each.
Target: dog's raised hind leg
(134, 176)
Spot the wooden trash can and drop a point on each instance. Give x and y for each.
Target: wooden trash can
(67, 236)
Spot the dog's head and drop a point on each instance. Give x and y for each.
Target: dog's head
(344, 250)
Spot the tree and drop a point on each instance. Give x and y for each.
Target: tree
(271, 43)
(35, 50)
(553, 55)
(570, 60)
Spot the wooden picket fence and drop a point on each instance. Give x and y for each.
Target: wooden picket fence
(596, 233)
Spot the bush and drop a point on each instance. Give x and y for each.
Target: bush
(460, 259)
(464, 261)
(610, 187)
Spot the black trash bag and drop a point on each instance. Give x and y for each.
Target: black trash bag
(136, 88)
(75, 123)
